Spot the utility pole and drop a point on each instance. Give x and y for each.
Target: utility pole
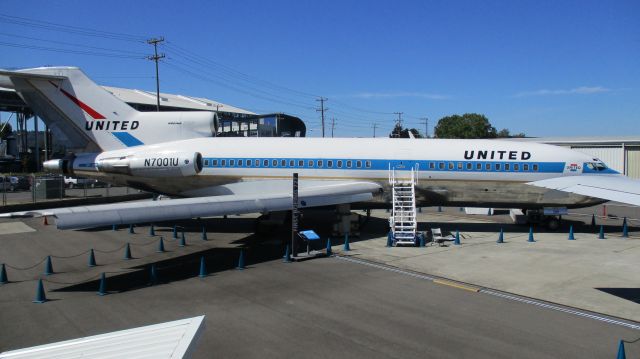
(333, 126)
(322, 110)
(399, 120)
(375, 125)
(425, 121)
(155, 58)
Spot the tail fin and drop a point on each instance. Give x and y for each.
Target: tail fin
(73, 106)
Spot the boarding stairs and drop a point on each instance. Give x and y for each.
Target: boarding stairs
(402, 221)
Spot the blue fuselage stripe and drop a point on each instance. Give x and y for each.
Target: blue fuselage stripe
(381, 164)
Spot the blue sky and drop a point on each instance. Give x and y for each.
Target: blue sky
(546, 68)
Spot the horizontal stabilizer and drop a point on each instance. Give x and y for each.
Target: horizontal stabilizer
(185, 208)
(613, 188)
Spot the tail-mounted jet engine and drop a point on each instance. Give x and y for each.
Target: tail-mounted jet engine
(171, 164)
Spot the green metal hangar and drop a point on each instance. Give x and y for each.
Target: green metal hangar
(620, 153)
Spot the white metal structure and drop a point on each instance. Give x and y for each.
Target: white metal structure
(244, 175)
(170, 340)
(403, 221)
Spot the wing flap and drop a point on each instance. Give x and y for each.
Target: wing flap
(610, 187)
(186, 208)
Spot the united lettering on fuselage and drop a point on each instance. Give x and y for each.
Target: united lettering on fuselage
(497, 155)
(97, 125)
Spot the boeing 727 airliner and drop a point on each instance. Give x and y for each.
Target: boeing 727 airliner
(173, 153)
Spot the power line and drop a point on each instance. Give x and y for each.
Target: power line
(68, 51)
(16, 20)
(155, 58)
(399, 120)
(333, 126)
(322, 110)
(84, 46)
(425, 121)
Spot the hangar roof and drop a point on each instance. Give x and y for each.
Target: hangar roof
(10, 101)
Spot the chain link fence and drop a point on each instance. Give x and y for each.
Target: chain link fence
(29, 188)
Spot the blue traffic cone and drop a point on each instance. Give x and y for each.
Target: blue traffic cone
(390, 239)
(204, 233)
(287, 255)
(127, 252)
(241, 261)
(625, 228)
(160, 245)
(621, 353)
(131, 231)
(571, 236)
(3, 275)
(601, 234)
(152, 231)
(40, 295)
(203, 268)
(500, 237)
(456, 241)
(329, 249)
(102, 289)
(531, 235)
(175, 231)
(48, 267)
(347, 247)
(92, 259)
(153, 275)
(183, 240)
(114, 228)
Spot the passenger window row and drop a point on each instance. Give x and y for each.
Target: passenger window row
(284, 163)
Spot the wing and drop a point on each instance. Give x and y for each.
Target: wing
(610, 187)
(310, 194)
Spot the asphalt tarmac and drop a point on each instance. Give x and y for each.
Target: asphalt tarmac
(326, 307)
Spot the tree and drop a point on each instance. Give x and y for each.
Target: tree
(469, 125)
(401, 132)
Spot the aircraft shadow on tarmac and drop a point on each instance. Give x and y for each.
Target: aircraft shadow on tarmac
(184, 267)
(631, 294)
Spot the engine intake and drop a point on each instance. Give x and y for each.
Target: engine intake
(177, 164)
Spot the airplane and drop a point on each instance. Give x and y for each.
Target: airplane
(174, 153)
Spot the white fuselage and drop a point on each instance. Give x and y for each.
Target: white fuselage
(455, 172)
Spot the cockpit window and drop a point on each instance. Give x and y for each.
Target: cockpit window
(596, 166)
